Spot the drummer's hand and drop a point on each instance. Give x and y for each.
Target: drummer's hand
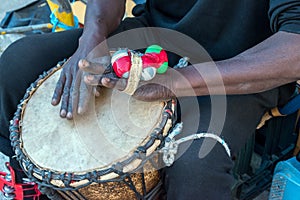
(85, 90)
(159, 88)
(65, 85)
(71, 90)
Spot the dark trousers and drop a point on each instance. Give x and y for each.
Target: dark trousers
(190, 177)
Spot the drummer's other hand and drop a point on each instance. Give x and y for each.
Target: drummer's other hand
(158, 89)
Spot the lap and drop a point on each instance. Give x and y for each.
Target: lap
(203, 164)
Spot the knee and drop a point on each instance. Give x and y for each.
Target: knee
(16, 63)
(192, 178)
(15, 49)
(10, 57)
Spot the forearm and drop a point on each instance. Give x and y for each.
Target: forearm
(274, 62)
(102, 17)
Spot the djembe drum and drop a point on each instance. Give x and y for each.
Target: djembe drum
(108, 153)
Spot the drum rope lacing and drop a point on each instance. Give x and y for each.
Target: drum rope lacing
(168, 147)
(46, 176)
(171, 145)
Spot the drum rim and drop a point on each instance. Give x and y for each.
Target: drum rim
(71, 180)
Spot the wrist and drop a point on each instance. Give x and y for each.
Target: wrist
(88, 41)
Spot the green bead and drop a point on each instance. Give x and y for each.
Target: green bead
(157, 49)
(153, 49)
(163, 68)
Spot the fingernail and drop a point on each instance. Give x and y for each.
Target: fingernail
(97, 94)
(85, 78)
(107, 80)
(90, 77)
(80, 63)
(54, 101)
(63, 113)
(80, 110)
(69, 115)
(84, 63)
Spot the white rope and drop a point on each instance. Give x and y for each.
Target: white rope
(183, 62)
(171, 145)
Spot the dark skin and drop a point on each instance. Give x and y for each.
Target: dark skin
(101, 19)
(272, 63)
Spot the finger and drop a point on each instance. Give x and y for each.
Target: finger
(92, 67)
(96, 90)
(76, 90)
(85, 93)
(119, 84)
(73, 96)
(58, 89)
(92, 79)
(65, 97)
(69, 115)
(107, 82)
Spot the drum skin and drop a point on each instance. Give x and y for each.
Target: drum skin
(115, 125)
(110, 132)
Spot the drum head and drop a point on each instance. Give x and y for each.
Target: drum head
(112, 129)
